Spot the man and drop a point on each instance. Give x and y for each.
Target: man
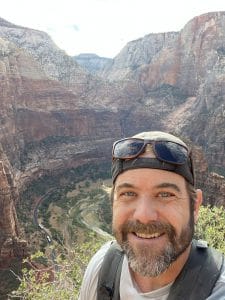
(155, 207)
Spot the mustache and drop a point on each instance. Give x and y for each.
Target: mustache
(149, 228)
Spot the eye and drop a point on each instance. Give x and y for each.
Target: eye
(166, 195)
(128, 194)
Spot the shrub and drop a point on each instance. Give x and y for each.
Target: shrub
(211, 226)
(68, 274)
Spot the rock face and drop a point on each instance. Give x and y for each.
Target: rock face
(92, 62)
(136, 54)
(11, 245)
(54, 62)
(55, 115)
(56, 65)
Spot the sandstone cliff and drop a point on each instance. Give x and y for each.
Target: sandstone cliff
(56, 64)
(136, 54)
(89, 90)
(11, 245)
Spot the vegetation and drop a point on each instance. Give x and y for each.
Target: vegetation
(211, 226)
(65, 182)
(70, 268)
(68, 273)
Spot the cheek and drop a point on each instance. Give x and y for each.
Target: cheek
(121, 213)
(178, 216)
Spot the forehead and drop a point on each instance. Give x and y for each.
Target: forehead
(146, 177)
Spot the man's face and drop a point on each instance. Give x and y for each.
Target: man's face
(152, 220)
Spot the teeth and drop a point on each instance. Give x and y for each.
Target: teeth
(147, 236)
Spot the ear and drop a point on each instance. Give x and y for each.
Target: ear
(198, 202)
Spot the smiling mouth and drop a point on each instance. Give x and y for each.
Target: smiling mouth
(148, 235)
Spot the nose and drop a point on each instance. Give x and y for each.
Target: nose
(145, 210)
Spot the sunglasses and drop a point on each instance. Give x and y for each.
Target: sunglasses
(165, 151)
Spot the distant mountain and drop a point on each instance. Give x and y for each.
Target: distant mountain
(92, 62)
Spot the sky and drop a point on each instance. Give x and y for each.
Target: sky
(103, 27)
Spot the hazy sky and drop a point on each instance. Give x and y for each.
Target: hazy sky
(103, 26)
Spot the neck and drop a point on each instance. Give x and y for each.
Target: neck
(148, 284)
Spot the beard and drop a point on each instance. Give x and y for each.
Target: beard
(152, 262)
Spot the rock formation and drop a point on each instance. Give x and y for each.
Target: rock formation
(136, 54)
(12, 246)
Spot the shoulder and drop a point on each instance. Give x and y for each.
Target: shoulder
(90, 279)
(218, 292)
(96, 261)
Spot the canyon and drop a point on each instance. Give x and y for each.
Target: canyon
(56, 115)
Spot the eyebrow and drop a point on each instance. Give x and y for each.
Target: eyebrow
(124, 185)
(162, 185)
(169, 185)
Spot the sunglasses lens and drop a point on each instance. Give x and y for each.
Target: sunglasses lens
(127, 148)
(171, 152)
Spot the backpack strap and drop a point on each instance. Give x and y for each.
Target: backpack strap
(108, 287)
(199, 275)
